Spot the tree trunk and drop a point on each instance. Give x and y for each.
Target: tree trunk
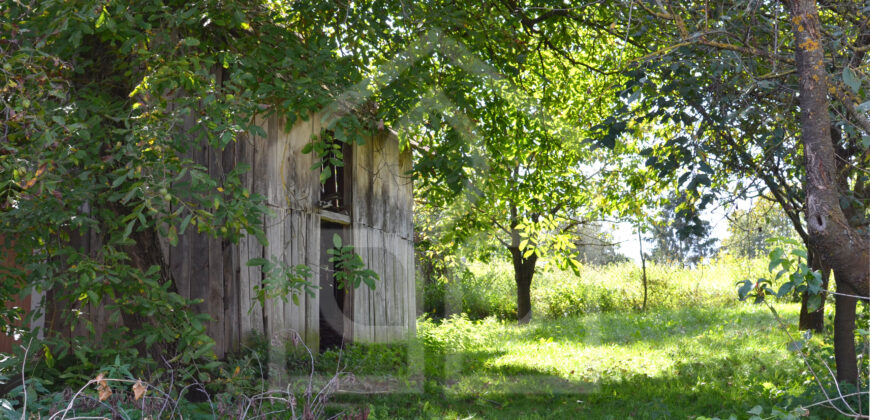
(643, 267)
(524, 270)
(844, 337)
(839, 246)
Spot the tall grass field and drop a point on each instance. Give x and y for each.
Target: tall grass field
(591, 352)
(488, 289)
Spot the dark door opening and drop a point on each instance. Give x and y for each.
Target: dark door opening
(332, 299)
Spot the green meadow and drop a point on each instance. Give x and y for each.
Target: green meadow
(695, 352)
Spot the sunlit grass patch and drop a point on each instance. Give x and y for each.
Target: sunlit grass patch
(664, 363)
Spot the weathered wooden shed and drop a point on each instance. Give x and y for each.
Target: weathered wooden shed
(368, 202)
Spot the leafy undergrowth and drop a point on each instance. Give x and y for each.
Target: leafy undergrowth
(668, 363)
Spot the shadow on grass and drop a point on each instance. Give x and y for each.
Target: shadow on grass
(715, 375)
(512, 392)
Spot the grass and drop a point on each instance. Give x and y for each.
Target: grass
(590, 352)
(483, 290)
(667, 363)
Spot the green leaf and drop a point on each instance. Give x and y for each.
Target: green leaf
(744, 290)
(775, 257)
(129, 228)
(257, 262)
(814, 302)
(325, 174)
(336, 240)
(102, 19)
(851, 79)
(173, 236)
(785, 289)
(185, 222)
(799, 252)
(190, 41)
(119, 180)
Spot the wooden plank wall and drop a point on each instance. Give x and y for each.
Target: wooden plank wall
(382, 232)
(283, 175)
(216, 271)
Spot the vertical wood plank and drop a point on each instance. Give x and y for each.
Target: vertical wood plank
(276, 330)
(251, 277)
(369, 259)
(376, 304)
(356, 238)
(296, 229)
(274, 310)
(392, 194)
(214, 273)
(364, 309)
(230, 255)
(362, 184)
(390, 272)
(372, 254)
(360, 301)
(383, 289)
(250, 311)
(199, 272)
(378, 173)
(260, 168)
(307, 178)
(406, 219)
(215, 294)
(312, 303)
(399, 299)
(411, 282)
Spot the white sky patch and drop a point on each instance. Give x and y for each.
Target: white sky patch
(625, 234)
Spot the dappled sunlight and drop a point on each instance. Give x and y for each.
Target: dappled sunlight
(587, 363)
(669, 363)
(696, 346)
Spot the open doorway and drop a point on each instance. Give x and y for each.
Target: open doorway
(334, 301)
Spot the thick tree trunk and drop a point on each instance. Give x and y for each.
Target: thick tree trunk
(524, 271)
(844, 337)
(840, 246)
